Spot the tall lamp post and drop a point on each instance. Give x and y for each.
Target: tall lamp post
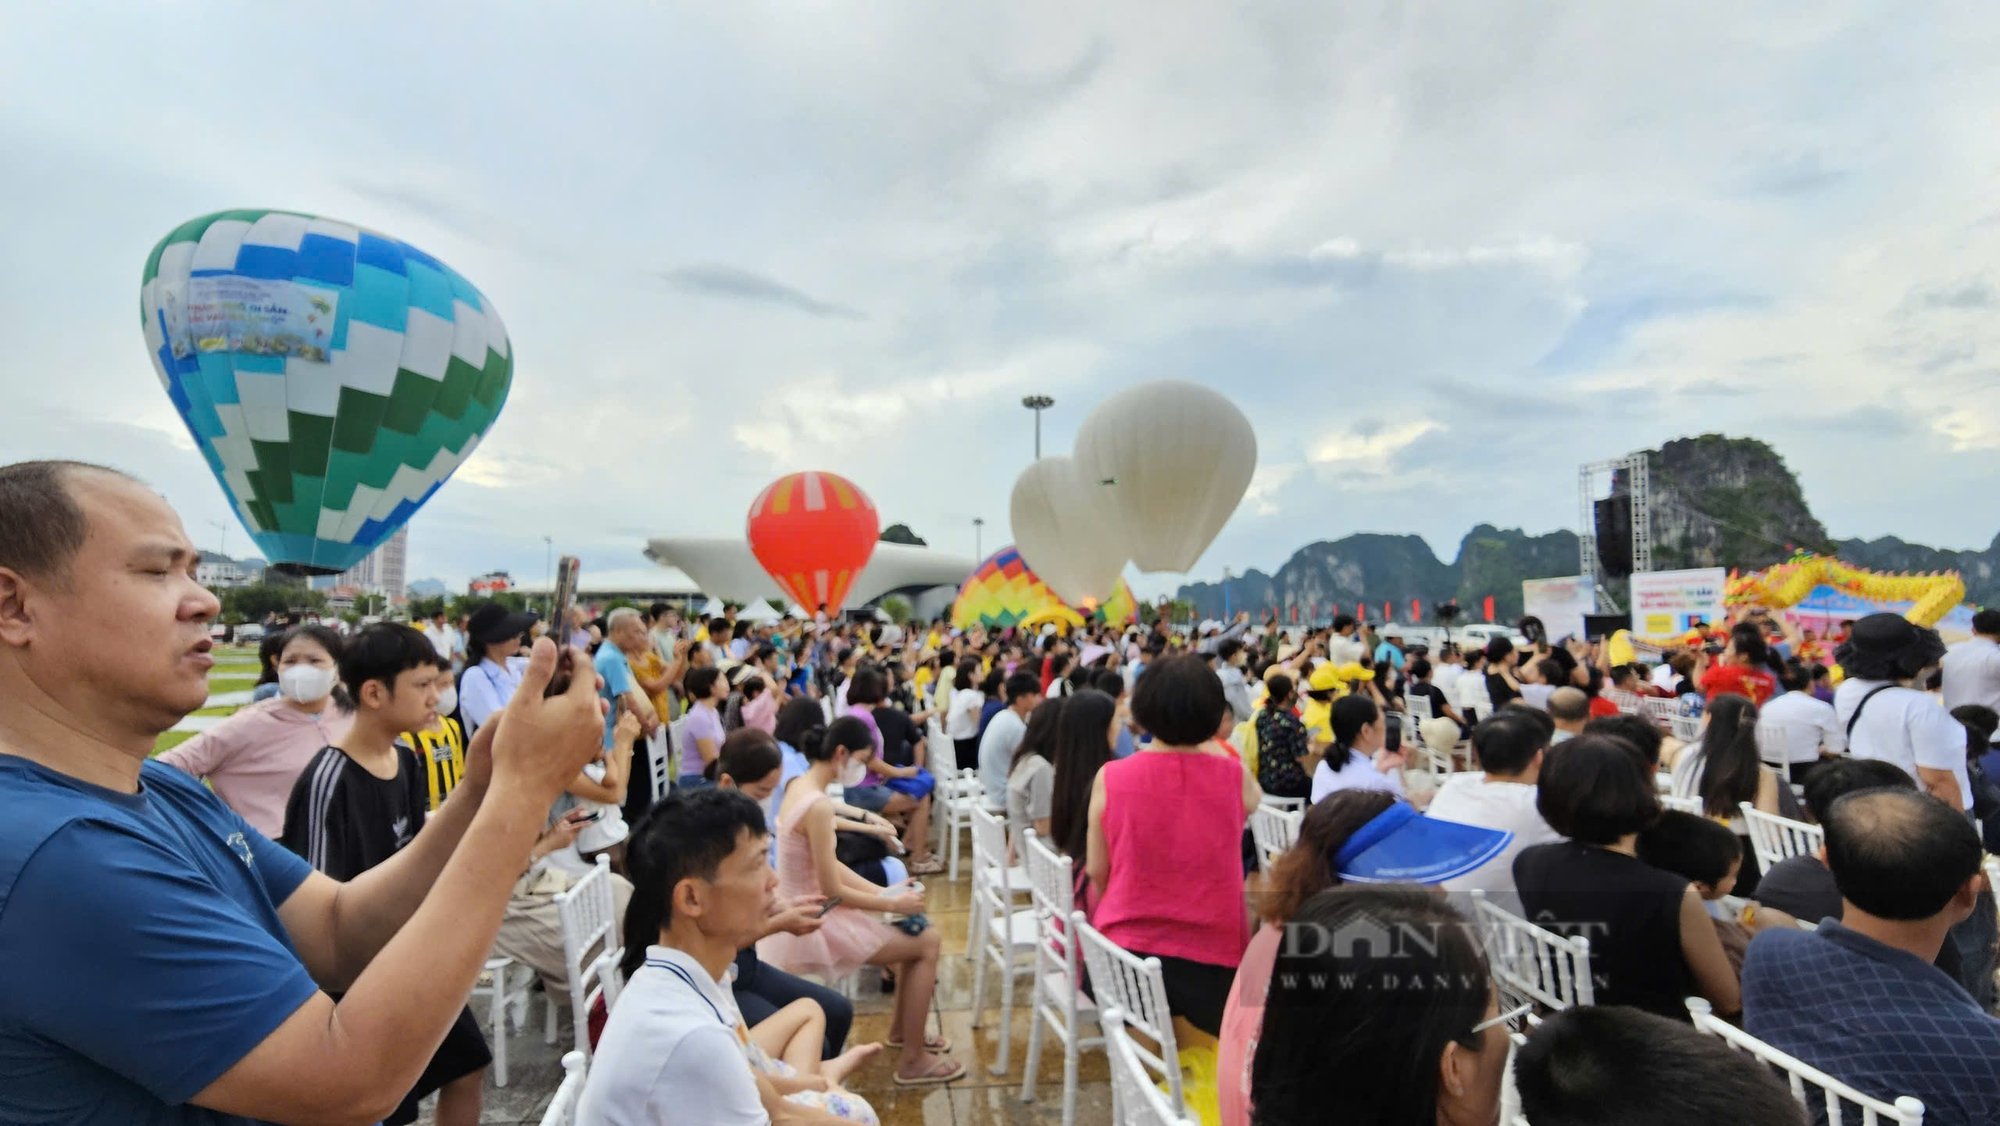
(978, 538)
(1038, 404)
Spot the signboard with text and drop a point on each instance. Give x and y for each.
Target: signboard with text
(1669, 602)
(1561, 603)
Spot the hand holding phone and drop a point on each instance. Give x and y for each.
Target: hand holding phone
(827, 906)
(567, 570)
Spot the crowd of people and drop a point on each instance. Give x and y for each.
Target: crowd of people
(297, 939)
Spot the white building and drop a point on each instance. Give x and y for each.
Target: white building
(217, 572)
(384, 571)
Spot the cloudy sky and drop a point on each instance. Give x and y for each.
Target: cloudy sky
(1439, 253)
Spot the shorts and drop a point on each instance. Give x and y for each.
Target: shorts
(917, 787)
(874, 799)
(462, 1053)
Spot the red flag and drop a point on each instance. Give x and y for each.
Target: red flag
(1361, 611)
(1489, 607)
(1295, 615)
(1416, 610)
(1388, 615)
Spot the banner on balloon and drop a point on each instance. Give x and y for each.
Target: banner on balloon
(1666, 603)
(256, 316)
(1561, 603)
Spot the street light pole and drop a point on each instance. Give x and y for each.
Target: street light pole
(1038, 404)
(978, 538)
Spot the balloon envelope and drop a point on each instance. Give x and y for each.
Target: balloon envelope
(332, 377)
(1068, 530)
(813, 532)
(1004, 592)
(1179, 457)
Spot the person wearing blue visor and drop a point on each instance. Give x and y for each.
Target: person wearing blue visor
(1354, 836)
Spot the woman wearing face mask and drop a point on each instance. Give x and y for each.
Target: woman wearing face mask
(253, 757)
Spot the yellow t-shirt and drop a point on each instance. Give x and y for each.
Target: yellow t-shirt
(1318, 719)
(652, 666)
(441, 746)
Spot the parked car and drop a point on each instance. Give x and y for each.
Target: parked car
(249, 632)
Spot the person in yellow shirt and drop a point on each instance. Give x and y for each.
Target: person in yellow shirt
(441, 746)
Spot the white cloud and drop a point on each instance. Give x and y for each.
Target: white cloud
(1371, 451)
(1265, 485)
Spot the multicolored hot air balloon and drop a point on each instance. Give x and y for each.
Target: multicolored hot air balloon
(332, 377)
(1004, 592)
(813, 532)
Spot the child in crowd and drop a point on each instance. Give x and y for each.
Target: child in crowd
(441, 746)
(1707, 854)
(359, 803)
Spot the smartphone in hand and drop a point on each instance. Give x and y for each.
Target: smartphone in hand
(567, 570)
(827, 906)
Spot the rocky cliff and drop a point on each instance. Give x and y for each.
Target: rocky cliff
(1717, 502)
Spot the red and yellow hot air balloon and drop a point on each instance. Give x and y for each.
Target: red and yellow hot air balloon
(813, 532)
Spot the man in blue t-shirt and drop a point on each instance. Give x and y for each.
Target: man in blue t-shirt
(167, 963)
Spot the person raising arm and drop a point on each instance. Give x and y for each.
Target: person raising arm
(180, 955)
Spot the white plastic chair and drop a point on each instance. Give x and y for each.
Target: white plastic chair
(1627, 703)
(1057, 1001)
(1686, 728)
(1418, 707)
(660, 757)
(562, 1108)
(1827, 1092)
(1683, 805)
(1273, 831)
(1530, 963)
(1136, 987)
(957, 796)
(1775, 838)
(1135, 1101)
(1282, 805)
(1660, 711)
(589, 917)
(1002, 934)
(506, 986)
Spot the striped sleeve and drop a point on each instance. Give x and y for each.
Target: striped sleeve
(316, 828)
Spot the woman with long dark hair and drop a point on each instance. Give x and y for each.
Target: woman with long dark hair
(1418, 1038)
(961, 723)
(1031, 775)
(1725, 768)
(853, 934)
(1083, 744)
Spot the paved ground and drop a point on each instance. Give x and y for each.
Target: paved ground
(979, 1099)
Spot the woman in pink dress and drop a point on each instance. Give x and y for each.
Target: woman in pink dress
(852, 934)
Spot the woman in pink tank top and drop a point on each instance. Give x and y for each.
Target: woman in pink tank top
(1165, 851)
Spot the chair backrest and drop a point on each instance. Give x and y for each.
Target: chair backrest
(1627, 703)
(1775, 740)
(562, 1108)
(1135, 1101)
(1273, 831)
(1283, 805)
(1531, 963)
(1660, 711)
(660, 754)
(1775, 838)
(1049, 877)
(1686, 728)
(1683, 805)
(589, 917)
(989, 860)
(1418, 706)
(1137, 987)
(1826, 1093)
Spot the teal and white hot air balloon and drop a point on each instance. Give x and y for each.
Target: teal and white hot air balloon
(332, 377)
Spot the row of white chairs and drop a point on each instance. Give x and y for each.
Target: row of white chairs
(591, 950)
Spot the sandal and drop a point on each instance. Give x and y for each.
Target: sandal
(944, 1069)
(935, 1045)
(930, 867)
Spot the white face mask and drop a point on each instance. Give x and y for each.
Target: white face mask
(306, 684)
(447, 700)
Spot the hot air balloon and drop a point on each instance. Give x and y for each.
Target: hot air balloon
(1003, 592)
(332, 377)
(813, 532)
(1068, 531)
(1177, 458)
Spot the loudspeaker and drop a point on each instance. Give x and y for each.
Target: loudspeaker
(1614, 535)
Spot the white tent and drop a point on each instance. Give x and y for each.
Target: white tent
(713, 608)
(759, 611)
(799, 612)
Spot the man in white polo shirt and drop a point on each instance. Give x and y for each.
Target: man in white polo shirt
(1806, 730)
(675, 1049)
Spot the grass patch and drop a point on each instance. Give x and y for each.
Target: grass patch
(225, 710)
(220, 684)
(172, 739)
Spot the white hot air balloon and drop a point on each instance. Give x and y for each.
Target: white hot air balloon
(1176, 458)
(1067, 529)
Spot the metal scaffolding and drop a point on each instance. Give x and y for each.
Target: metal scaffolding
(1631, 474)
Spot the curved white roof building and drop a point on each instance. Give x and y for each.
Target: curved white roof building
(725, 568)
